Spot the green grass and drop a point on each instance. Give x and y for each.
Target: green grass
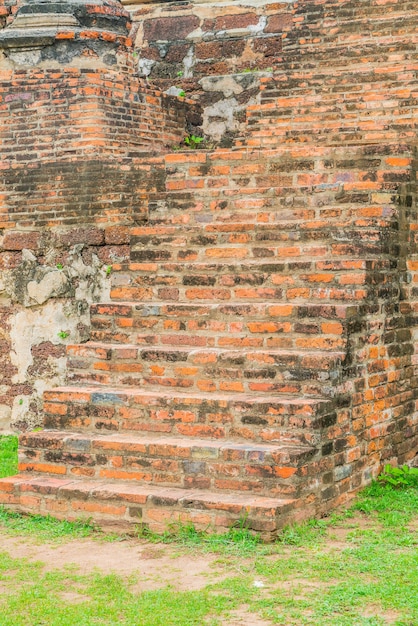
(8, 456)
(358, 567)
(42, 528)
(31, 597)
(237, 540)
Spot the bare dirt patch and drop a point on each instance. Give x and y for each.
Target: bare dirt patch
(390, 616)
(73, 598)
(242, 617)
(154, 567)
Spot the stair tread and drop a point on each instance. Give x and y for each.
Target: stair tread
(158, 228)
(156, 439)
(120, 490)
(227, 305)
(258, 263)
(109, 392)
(230, 351)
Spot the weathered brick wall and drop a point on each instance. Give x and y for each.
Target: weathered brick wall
(7, 8)
(69, 139)
(332, 64)
(48, 279)
(79, 132)
(201, 40)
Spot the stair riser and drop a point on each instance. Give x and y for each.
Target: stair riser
(279, 193)
(207, 385)
(312, 340)
(231, 470)
(309, 292)
(328, 134)
(130, 511)
(252, 326)
(176, 209)
(275, 246)
(272, 421)
(289, 247)
(178, 283)
(309, 273)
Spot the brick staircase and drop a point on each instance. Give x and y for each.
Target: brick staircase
(210, 389)
(245, 367)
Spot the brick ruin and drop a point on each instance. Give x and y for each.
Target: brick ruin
(219, 332)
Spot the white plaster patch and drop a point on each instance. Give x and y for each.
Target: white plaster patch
(32, 326)
(188, 62)
(53, 284)
(228, 85)
(27, 57)
(5, 414)
(219, 118)
(145, 66)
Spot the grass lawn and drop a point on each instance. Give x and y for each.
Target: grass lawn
(355, 568)
(8, 456)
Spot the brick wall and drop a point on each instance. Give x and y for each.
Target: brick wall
(332, 67)
(332, 226)
(69, 140)
(80, 136)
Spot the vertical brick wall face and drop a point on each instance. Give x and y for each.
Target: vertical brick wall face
(262, 299)
(69, 140)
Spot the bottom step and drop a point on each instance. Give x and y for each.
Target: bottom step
(119, 507)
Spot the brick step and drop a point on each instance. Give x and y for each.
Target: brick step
(285, 191)
(267, 251)
(294, 80)
(329, 107)
(249, 242)
(363, 49)
(285, 419)
(357, 42)
(122, 506)
(313, 292)
(262, 469)
(300, 128)
(370, 14)
(300, 225)
(309, 115)
(334, 133)
(295, 266)
(209, 370)
(311, 279)
(288, 212)
(256, 325)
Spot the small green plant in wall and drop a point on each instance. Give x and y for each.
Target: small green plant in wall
(193, 141)
(108, 270)
(63, 334)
